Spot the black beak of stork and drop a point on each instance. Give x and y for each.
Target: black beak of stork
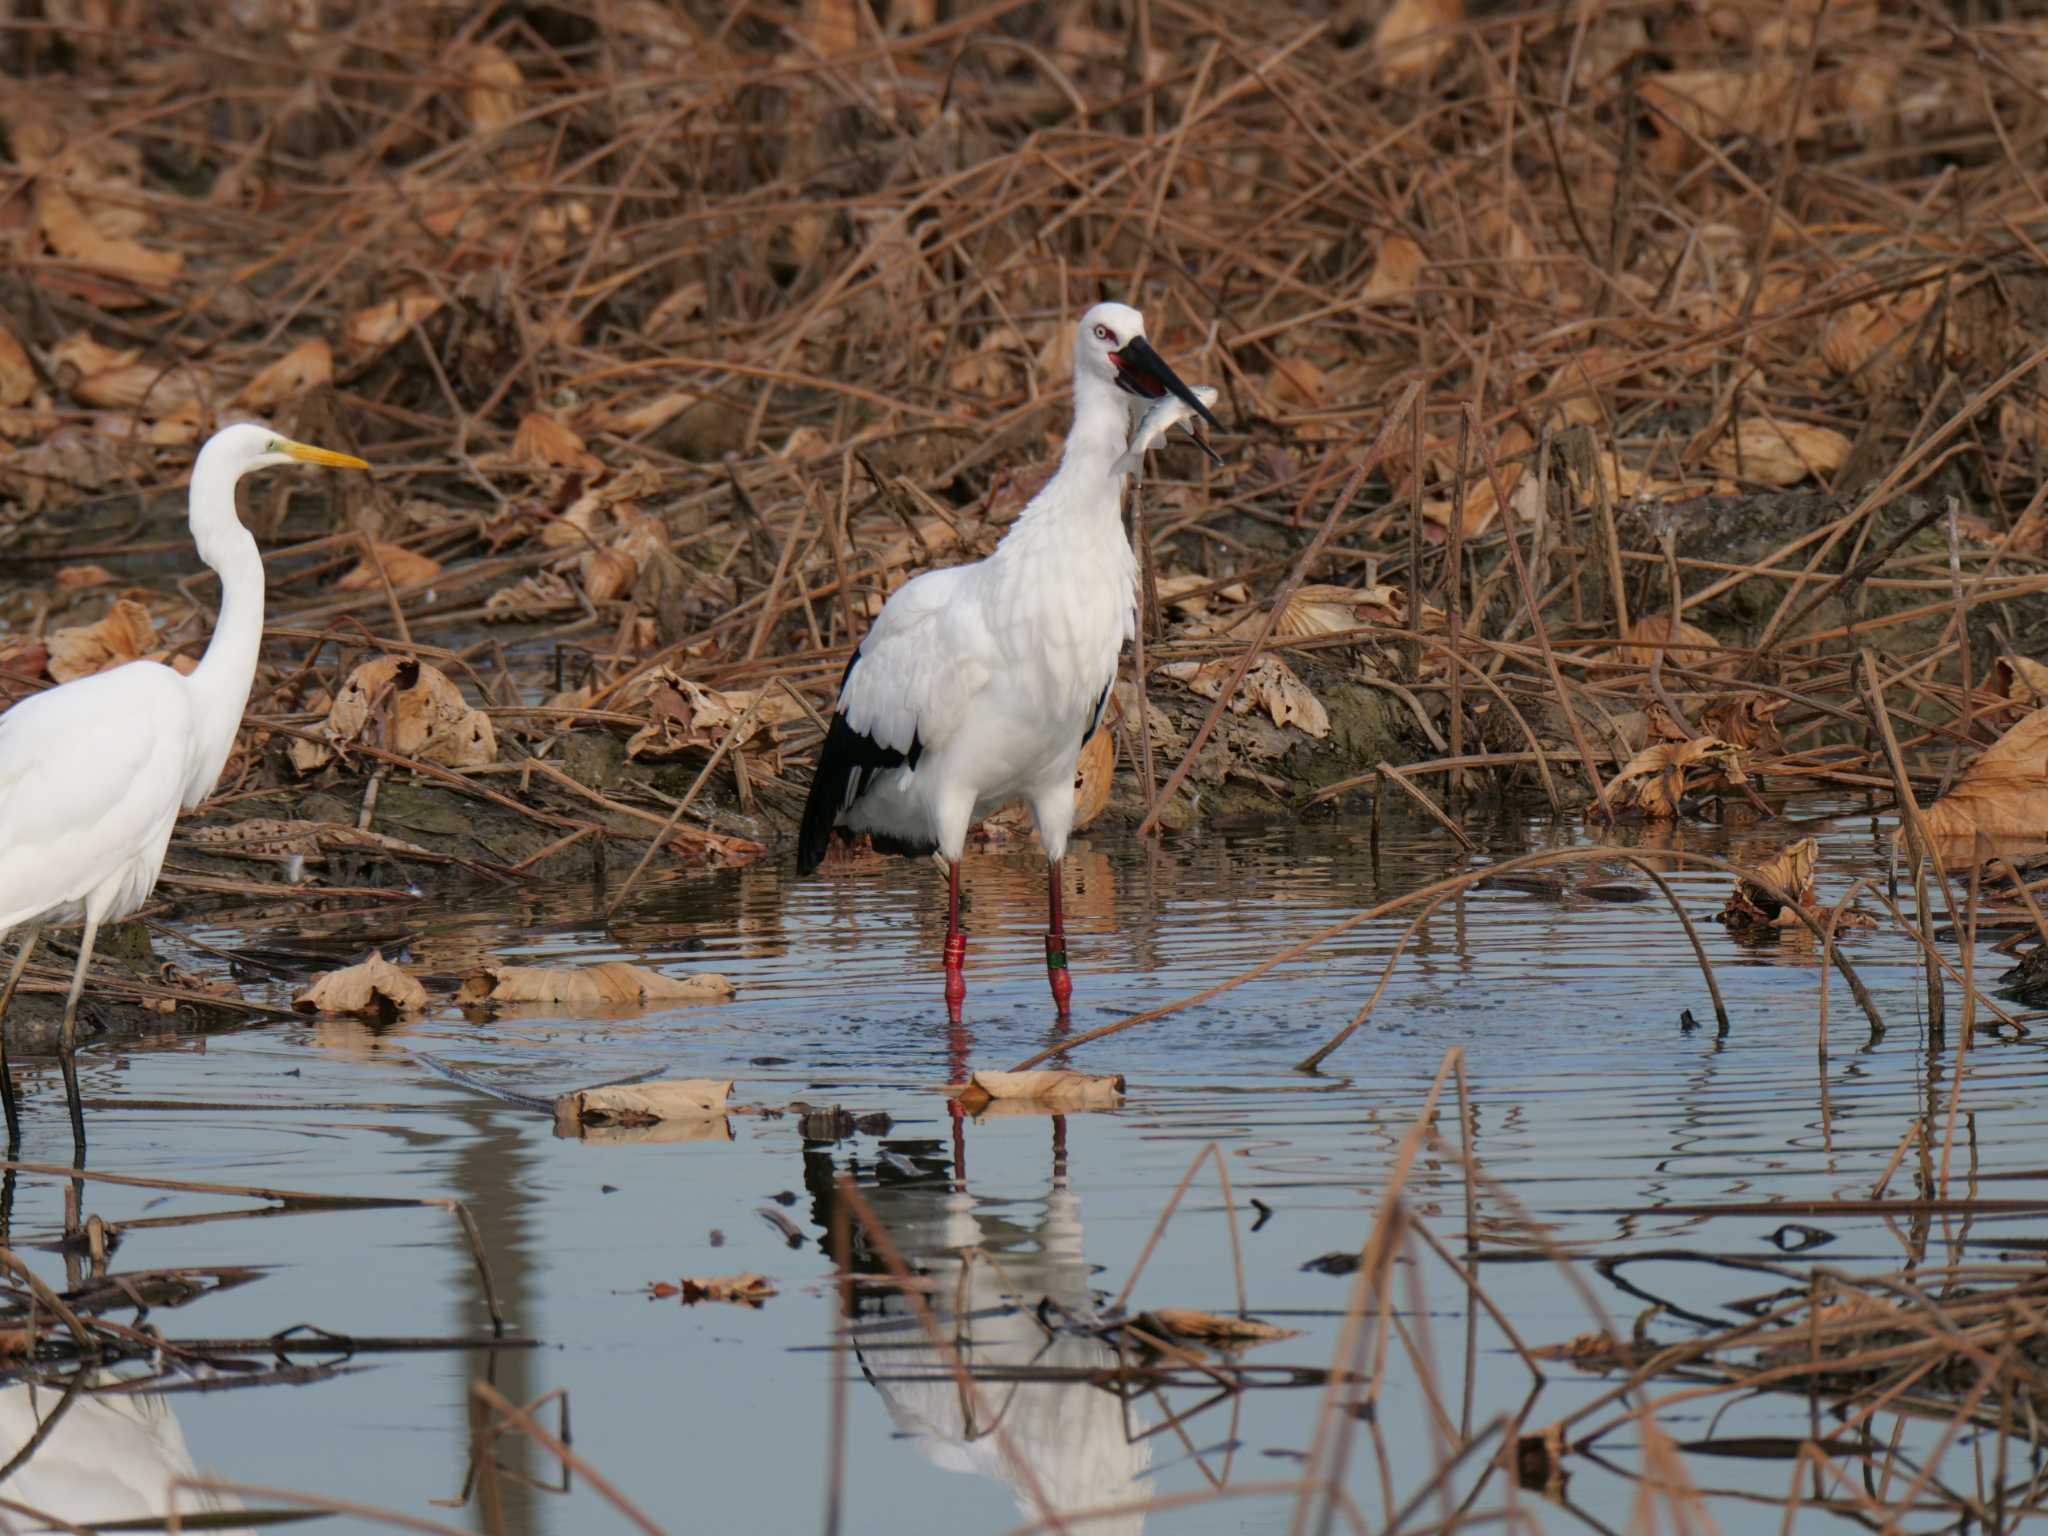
(1143, 372)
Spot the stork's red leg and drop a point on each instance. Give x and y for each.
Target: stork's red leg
(956, 943)
(1056, 941)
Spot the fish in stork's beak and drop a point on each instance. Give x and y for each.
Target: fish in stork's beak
(1143, 372)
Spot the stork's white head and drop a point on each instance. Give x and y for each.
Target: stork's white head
(1105, 330)
(1112, 349)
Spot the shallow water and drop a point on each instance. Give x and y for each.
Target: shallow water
(1590, 1104)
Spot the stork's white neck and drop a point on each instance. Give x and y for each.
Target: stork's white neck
(1087, 484)
(219, 685)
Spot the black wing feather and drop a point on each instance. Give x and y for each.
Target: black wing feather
(847, 763)
(1095, 715)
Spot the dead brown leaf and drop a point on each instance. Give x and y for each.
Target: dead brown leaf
(76, 578)
(491, 98)
(126, 634)
(2019, 678)
(1270, 685)
(373, 986)
(1752, 905)
(684, 716)
(749, 1290)
(307, 366)
(17, 373)
(1061, 1090)
(1094, 775)
(1211, 1328)
(418, 713)
(609, 983)
(373, 329)
(543, 440)
(2004, 793)
(1414, 37)
(1659, 776)
(404, 567)
(1396, 271)
(70, 233)
(1327, 610)
(1695, 650)
(531, 597)
(1778, 452)
(682, 1098)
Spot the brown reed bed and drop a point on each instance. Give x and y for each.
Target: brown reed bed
(1667, 358)
(1601, 381)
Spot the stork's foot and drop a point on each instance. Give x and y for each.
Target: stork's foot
(1056, 972)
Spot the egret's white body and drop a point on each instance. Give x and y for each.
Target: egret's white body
(94, 773)
(978, 684)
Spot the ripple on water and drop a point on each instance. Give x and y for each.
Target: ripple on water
(1591, 1107)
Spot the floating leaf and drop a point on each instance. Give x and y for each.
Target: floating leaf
(1658, 777)
(609, 983)
(631, 1104)
(1058, 1090)
(1752, 905)
(1211, 1327)
(748, 1290)
(374, 986)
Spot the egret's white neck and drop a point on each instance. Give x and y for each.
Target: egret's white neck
(219, 686)
(1086, 483)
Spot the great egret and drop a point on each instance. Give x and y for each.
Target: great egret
(979, 683)
(94, 773)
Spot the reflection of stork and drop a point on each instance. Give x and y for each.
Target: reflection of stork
(992, 1273)
(107, 1457)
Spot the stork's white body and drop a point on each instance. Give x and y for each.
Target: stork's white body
(1000, 668)
(978, 685)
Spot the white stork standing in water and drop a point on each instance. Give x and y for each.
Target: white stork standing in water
(978, 684)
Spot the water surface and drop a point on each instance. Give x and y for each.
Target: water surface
(1593, 1105)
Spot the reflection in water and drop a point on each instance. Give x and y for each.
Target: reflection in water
(105, 1456)
(1036, 1424)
